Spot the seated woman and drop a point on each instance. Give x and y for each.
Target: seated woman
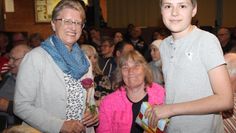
(118, 111)
(155, 64)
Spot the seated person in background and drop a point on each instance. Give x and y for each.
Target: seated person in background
(122, 48)
(155, 64)
(83, 39)
(118, 110)
(160, 34)
(230, 116)
(224, 36)
(117, 37)
(35, 39)
(106, 60)
(18, 38)
(5, 48)
(129, 28)
(95, 38)
(138, 42)
(7, 87)
(102, 83)
(4, 42)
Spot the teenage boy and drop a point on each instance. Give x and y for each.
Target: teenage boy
(196, 79)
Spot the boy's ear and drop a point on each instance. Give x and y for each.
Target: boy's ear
(194, 12)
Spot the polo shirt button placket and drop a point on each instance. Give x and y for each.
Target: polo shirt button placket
(172, 53)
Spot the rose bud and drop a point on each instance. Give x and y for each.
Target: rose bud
(87, 83)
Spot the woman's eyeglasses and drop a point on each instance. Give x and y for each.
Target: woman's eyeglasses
(70, 22)
(15, 59)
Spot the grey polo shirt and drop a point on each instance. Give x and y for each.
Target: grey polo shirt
(186, 63)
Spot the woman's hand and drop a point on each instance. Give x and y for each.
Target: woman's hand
(90, 118)
(5, 68)
(4, 104)
(72, 126)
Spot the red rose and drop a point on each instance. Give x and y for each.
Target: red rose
(87, 83)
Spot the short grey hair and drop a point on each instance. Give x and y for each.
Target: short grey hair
(230, 59)
(71, 4)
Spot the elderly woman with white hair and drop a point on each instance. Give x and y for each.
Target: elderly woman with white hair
(155, 64)
(230, 116)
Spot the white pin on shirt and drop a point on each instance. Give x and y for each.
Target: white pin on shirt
(189, 55)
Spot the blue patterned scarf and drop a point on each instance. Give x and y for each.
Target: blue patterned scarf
(73, 63)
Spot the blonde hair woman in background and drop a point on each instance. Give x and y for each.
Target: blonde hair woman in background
(102, 82)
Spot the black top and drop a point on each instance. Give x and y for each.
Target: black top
(107, 65)
(135, 128)
(227, 47)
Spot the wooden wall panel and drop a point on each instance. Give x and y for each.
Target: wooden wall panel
(206, 13)
(23, 19)
(147, 12)
(139, 12)
(229, 15)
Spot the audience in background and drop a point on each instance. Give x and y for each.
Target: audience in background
(234, 33)
(233, 39)
(160, 34)
(117, 37)
(83, 39)
(155, 64)
(95, 38)
(137, 40)
(19, 38)
(7, 86)
(224, 36)
(4, 52)
(102, 83)
(106, 60)
(35, 40)
(230, 116)
(122, 48)
(4, 42)
(129, 28)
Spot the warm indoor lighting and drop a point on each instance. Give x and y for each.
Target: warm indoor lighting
(86, 2)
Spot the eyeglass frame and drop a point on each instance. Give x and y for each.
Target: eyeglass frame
(70, 22)
(15, 59)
